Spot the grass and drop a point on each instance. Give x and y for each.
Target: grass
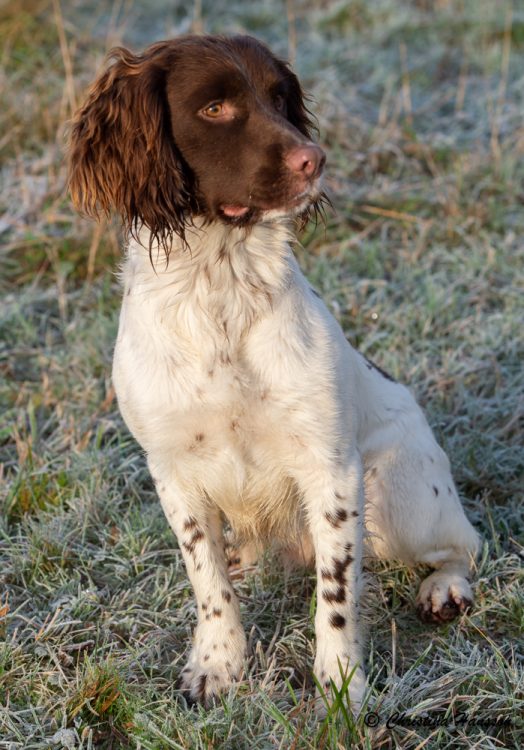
(420, 108)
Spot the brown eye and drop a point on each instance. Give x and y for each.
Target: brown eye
(216, 109)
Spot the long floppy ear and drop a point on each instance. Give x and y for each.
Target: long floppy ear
(122, 155)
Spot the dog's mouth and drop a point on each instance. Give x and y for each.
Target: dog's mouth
(238, 215)
(235, 212)
(242, 214)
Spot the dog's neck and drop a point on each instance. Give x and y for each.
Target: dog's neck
(228, 275)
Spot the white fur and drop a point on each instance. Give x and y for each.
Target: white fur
(249, 403)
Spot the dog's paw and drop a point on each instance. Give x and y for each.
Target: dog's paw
(203, 683)
(214, 664)
(443, 597)
(335, 671)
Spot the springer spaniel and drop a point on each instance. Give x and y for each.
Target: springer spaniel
(231, 373)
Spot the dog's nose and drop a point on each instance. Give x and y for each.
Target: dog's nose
(307, 161)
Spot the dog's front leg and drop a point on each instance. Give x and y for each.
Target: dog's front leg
(334, 505)
(219, 643)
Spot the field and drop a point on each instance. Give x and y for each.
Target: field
(420, 108)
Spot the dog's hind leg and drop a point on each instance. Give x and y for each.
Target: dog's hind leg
(413, 512)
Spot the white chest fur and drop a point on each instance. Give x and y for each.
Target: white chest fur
(213, 356)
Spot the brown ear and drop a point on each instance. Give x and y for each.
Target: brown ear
(122, 154)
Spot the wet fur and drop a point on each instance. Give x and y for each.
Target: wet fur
(230, 371)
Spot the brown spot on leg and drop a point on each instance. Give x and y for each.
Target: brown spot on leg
(226, 596)
(197, 536)
(340, 567)
(190, 524)
(338, 596)
(335, 519)
(337, 621)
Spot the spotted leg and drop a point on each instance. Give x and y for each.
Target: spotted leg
(334, 506)
(219, 642)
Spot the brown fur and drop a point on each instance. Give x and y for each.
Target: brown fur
(138, 145)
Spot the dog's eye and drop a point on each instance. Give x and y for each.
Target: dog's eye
(279, 103)
(216, 109)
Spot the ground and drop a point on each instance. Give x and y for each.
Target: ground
(420, 110)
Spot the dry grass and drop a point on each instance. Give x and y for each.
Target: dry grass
(420, 108)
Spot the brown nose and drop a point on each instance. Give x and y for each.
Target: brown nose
(307, 161)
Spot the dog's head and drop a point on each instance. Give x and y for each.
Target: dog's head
(199, 125)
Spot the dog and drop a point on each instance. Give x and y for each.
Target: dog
(231, 373)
